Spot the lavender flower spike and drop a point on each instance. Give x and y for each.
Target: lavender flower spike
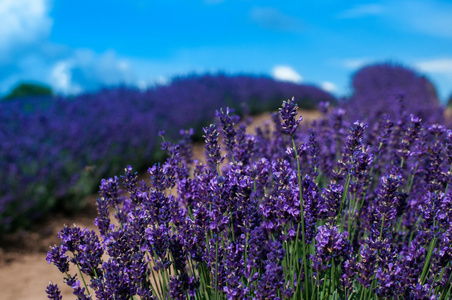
(288, 112)
(212, 147)
(53, 292)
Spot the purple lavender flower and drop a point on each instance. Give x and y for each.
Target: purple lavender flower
(311, 197)
(313, 153)
(366, 264)
(178, 286)
(288, 112)
(387, 201)
(212, 148)
(227, 124)
(77, 290)
(103, 220)
(53, 292)
(57, 256)
(323, 107)
(413, 263)
(448, 144)
(158, 179)
(245, 148)
(330, 246)
(186, 149)
(130, 181)
(410, 136)
(109, 190)
(178, 253)
(85, 247)
(329, 202)
(385, 131)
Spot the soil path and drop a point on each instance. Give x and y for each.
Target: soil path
(24, 271)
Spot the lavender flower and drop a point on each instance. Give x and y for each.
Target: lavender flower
(331, 246)
(53, 292)
(387, 201)
(212, 148)
(329, 202)
(288, 112)
(57, 256)
(227, 124)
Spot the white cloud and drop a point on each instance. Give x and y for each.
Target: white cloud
(84, 68)
(162, 80)
(441, 65)
(355, 63)
(360, 11)
(61, 79)
(286, 73)
(271, 18)
(329, 86)
(146, 84)
(61, 76)
(23, 22)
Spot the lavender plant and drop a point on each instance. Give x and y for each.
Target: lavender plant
(345, 210)
(377, 90)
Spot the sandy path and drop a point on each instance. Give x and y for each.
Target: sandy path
(24, 271)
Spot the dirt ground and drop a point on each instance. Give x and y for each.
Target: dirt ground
(24, 271)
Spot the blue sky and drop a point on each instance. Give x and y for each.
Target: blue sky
(78, 46)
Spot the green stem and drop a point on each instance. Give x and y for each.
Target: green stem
(83, 279)
(351, 212)
(216, 268)
(300, 187)
(344, 197)
(427, 260)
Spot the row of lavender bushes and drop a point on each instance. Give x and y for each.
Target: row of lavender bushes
(54, 151)
(348, 209)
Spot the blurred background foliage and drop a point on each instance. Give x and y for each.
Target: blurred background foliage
(29, 89)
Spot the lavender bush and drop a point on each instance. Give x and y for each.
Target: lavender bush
(343, 210)
(55, 150)
(377, 89)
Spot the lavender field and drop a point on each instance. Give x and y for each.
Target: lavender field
(356, 205)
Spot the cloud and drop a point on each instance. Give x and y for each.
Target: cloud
(361, 11)
(61, 78)
(286, 73)
(355, 63)
(23, 22)
(328, 86)
(146, 84)
(68, 71)
(271, 18)
(441, 65)
(439, 70)
(86, 70)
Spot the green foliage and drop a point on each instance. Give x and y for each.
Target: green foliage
(26, 89)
